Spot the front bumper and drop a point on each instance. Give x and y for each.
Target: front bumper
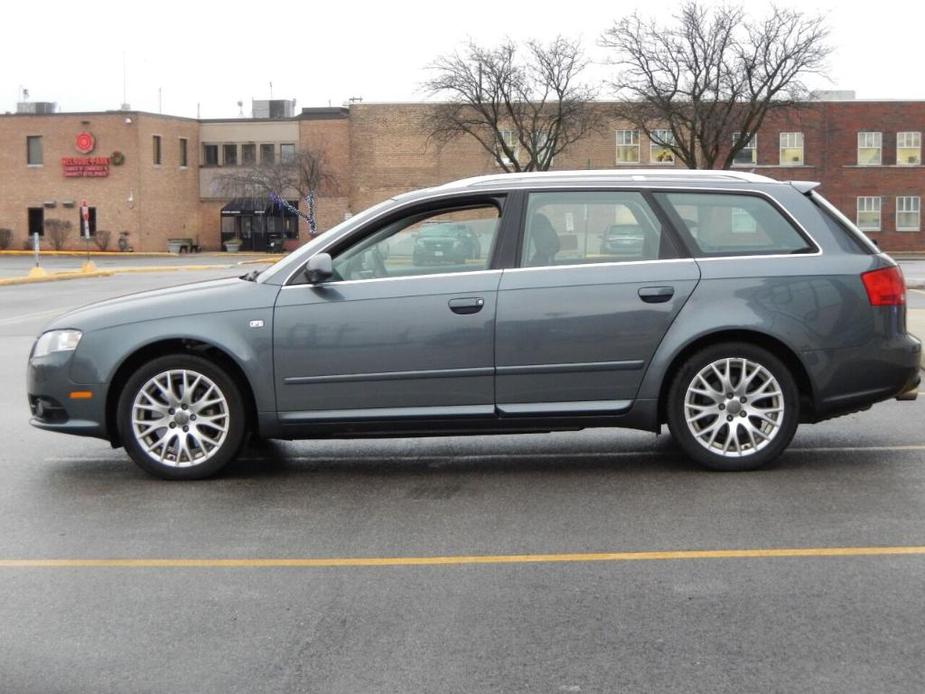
(50, 390)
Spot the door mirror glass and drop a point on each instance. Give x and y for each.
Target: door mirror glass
(319, 268)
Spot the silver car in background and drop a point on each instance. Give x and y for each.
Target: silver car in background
(737, 308)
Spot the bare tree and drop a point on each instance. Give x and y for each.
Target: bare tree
(712, 76)
(57, 231)
(305, 172)
(522, 112)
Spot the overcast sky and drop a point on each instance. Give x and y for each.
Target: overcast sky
(210, 55)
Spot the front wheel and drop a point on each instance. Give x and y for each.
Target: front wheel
(733, 407)
(181, 417)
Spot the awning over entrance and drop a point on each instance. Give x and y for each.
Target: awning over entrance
(249, 206)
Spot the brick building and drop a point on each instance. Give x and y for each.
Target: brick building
(159, 177)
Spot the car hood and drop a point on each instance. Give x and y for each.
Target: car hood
(210, 296)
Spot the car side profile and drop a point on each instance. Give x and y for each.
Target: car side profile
(727, 305)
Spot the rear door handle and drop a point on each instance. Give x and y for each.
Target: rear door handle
(656, 295)
(469, 304)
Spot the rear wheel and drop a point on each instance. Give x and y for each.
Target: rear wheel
(181, 417)
(733, 407)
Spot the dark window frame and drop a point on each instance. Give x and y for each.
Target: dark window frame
(184, 152)
(208, 161)
(248, 146)
(229, 147)
(156, 150)
(30, 214)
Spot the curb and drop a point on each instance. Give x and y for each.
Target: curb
(77, 275)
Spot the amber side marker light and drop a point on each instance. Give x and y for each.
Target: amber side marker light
(81, 395)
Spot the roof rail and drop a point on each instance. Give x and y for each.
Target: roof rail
(613, 175)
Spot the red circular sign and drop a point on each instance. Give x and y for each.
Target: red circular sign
(84, 142)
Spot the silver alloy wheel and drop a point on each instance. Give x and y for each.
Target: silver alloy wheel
(734, 407)
(180, 418)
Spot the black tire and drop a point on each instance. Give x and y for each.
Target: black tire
(750, 457)
(232, 414)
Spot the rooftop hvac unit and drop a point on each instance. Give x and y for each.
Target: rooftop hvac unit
(273, 108)
(36, 107)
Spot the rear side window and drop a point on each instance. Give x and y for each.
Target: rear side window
(718, 224)
(575, 228)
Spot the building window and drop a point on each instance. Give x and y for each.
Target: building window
(210, 155)
(908, 149)
(748, 155)
(36, 221)
(229, 155)
(791, 149)
(34, 150)
(287, 153)
(156, 154)
(660, 142)
(508, 138)
(869, 213)
(870, 149)
(627, 147)
(908, 213)
(184, 159)
(267, 154)
(248, 155)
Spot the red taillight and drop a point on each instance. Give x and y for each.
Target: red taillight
(885, 287)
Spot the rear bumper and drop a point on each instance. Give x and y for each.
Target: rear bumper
(854, 378)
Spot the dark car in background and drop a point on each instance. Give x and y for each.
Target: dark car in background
(750, 306)
(446, 242)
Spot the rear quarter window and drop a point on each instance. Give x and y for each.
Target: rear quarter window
(727, 224)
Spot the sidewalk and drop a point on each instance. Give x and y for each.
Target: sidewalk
(915, 323)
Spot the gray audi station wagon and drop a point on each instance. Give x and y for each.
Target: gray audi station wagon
(728, 305)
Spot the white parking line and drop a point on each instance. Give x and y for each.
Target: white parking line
(542, 456)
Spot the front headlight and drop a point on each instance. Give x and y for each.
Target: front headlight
(56, 341)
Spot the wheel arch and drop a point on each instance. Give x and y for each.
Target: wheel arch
(778, 348)
(166, 347)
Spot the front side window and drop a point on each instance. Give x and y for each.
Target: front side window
(718, 224)
(869, 213)
(577, 228)
(660, 142)
(908, 213)
(627, 147)
(791, 149)
(34, 154)
(447, 241)
(909, 148)
(870, 149)
(748, 155)
(230, 155)
(156, 150)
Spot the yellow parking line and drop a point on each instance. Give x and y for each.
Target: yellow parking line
(916, 550)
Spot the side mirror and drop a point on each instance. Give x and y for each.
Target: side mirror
(319, 268)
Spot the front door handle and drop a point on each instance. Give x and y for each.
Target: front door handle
(469, 304)
(656, 295)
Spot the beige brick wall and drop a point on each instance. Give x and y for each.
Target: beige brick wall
(165, 198)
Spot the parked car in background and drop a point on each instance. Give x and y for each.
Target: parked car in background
(445, 242)
(751, 306)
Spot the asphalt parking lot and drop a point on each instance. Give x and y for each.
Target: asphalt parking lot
(595, 561)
